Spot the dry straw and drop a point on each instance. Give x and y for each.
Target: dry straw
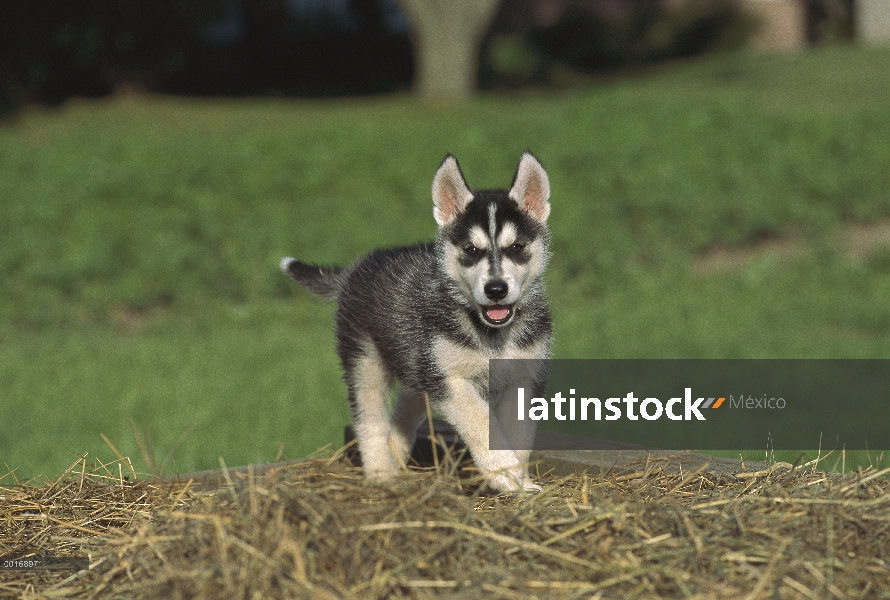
(316, 529)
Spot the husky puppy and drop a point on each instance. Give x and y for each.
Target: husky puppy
(432, 315)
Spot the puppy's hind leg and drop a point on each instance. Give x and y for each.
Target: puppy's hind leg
(368, 396)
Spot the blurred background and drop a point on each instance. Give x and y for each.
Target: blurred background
(54, 50)
(720, 173)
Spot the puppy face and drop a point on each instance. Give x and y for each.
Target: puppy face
(494, 253)
(496, 241)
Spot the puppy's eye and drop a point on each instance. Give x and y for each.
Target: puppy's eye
(517, 247)
(471, 250)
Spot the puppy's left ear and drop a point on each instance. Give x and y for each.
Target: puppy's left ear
(531, 187)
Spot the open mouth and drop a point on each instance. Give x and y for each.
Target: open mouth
(497, 314)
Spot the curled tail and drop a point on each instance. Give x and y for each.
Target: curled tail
(324, 281)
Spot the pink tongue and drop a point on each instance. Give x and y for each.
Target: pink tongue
(496, 313)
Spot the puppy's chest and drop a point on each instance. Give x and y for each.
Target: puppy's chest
(457, 360)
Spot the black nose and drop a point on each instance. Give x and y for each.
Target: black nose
(496, 289)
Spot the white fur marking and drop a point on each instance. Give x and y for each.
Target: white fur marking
(508, 235)
(478, 238)
(492, 231)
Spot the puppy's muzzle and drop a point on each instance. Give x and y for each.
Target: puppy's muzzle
(497, 314)
(496, 290)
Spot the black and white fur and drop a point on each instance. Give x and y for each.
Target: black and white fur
(432, 315)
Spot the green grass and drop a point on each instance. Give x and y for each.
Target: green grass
(139, 240)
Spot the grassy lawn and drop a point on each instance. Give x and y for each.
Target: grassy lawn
(140, 237)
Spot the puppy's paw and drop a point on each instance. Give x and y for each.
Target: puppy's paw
(503, 482)
(507, 482)
(381, 471)
(380, 476)
(530, 486)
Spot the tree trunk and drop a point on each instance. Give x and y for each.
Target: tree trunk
(446, 35)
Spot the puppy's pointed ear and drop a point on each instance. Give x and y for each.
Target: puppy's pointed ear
(531, 187)
(450, 192)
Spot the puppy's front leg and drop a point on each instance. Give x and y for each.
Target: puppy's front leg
(468, 412)
(520, 436)
(531, 376)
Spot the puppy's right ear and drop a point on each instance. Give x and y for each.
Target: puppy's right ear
(450, 192)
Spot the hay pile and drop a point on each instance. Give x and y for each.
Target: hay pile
(317, 530)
